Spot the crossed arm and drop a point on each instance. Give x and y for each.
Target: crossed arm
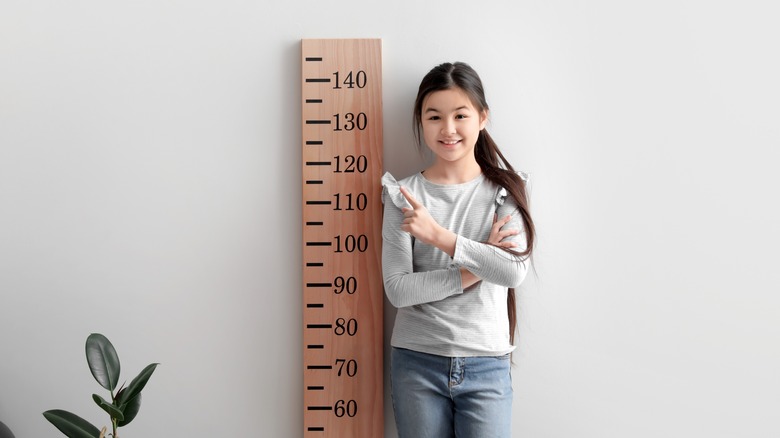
(419, 223)
(490, 262)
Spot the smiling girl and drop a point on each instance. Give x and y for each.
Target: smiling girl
(457, 239)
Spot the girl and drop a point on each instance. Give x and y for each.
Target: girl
(456, 241)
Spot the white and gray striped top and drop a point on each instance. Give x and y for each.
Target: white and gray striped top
(435, 315)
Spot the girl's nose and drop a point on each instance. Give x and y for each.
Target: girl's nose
(448, 127)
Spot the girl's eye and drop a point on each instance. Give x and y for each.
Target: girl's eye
(434, 118)
(460, 116)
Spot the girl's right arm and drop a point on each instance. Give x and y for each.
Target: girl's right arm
(403, 286)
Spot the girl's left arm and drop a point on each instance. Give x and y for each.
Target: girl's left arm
(492, 263)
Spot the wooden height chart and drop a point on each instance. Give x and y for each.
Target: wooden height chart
(342, 238)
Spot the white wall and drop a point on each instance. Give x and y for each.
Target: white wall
(149, 190)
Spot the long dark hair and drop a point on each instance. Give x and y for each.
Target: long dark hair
(494, 165)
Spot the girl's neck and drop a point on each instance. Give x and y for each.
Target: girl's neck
(452, 173)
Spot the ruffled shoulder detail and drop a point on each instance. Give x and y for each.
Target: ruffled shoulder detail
(501, 196)
(502, 193)
(391, 189)
(523, 175)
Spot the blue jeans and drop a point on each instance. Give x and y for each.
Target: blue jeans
(442, 397)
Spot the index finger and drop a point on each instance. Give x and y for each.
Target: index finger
(412, 200)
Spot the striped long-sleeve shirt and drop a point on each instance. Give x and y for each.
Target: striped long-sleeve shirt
(435, 314)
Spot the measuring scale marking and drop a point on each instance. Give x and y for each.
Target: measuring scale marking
(342, 217)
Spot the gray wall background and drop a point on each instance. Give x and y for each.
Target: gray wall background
(149, 190)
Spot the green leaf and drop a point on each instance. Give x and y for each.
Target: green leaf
(136, 385)
(71, 425)
(130, 410)
(103, 361)
(112, 410)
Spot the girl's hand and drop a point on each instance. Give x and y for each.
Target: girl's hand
(497, 235)
(418, 222)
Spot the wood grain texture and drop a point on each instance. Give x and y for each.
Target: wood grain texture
(326, 229)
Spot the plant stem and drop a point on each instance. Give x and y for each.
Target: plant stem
(113, 420)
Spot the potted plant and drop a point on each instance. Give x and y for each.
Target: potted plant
(124, 403)
(5, 432)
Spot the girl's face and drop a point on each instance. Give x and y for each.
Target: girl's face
(451, 125)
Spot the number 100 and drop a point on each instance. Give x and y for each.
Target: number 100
(351, 243)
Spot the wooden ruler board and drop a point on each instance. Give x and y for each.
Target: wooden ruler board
(343, 293)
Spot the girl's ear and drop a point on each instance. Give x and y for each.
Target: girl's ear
(483, 119)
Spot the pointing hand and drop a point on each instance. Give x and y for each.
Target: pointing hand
(417, 221)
